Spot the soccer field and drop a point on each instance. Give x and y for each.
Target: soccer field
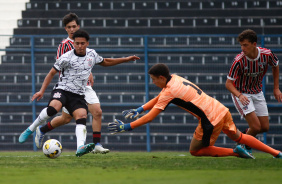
(137, 167)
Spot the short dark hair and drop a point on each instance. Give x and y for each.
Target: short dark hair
(81, 33)
(159, 69)
(249, 35)
(69, 18)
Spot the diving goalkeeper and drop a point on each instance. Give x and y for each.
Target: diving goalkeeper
(213, 116)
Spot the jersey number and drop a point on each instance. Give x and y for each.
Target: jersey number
(199, 91)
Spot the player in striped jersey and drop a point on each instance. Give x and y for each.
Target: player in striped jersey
(213, 116)
(244, 81)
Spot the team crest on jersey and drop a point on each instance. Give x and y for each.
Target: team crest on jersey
(57, 95)
(89, 61)
(245, 107)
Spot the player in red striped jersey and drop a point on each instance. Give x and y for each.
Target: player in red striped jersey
(244, 81)
(71, 23)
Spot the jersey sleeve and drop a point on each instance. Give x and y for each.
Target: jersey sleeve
(60, 50)
(60, 63)
(98, 59)
(164, 99)
(234, 71)
(273, 59)
(64, 47)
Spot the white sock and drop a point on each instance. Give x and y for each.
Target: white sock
(42, 118)
(80, 132)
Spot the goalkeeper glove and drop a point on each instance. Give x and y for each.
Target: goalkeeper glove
(132, 113)
(118, 127)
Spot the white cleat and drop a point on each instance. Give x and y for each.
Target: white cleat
(39, 137)
(99, 149)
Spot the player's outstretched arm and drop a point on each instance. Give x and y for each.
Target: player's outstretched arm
(116, 61)
(134, 113)
(118, 126)
(45, 84)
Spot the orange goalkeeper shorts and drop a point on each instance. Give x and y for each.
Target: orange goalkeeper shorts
(226, 125)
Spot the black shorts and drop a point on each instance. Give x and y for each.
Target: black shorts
(69, 100)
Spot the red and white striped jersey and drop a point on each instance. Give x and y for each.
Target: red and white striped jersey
(65, 46)
(248, 74)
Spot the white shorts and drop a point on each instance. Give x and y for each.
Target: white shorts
(90, 97)
(257, 104)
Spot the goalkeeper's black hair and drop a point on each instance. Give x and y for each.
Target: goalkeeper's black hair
(69, 18)
(159, 69)
(81, 33)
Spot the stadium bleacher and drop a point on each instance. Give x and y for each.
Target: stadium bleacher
(123, 86)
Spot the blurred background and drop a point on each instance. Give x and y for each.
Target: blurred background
(195, 38)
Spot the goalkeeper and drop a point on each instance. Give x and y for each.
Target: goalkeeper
(213, 116)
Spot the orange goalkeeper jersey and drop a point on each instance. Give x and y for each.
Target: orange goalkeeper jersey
(191, 98)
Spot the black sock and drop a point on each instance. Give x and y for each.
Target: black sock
(96, 137)
(46, 128)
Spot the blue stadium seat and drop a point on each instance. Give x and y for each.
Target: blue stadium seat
(189, 5)
(93, 22)
(234, 5)
(36, 5)
(273, 21)
(50, 23)
(138, 22)
(228, 21)
(160, 22)
(144, 5)
(80, 5)
(113, 22)
(180, 22)
(101, 5)
(57, 6)
(167, 5)
(250, 22)
(28, 23)
(123, 5)
(256, 4)
(211, 5)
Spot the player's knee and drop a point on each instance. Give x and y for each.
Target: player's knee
(66, 119)
(81, 121)
(97, 113)
(193, 153)
(51, 111)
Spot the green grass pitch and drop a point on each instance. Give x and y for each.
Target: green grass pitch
(137, 168)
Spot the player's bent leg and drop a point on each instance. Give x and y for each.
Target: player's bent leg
(264, 122)
(254, 124)
(197, 149)
(252, 142)
(46, 113)
(96, 111)
(61, 120)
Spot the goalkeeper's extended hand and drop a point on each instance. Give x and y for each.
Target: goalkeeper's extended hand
(118, 127)
(132, 113)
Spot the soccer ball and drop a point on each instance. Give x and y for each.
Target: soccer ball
(52, 148)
